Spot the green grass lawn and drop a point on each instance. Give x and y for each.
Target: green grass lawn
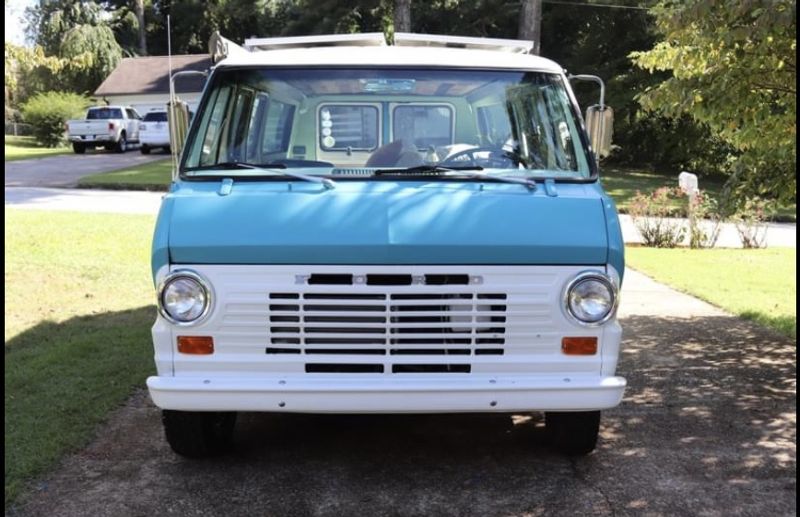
(25, 147)
(623, 183)
(78, 306)
(149, 176)
(760, 285)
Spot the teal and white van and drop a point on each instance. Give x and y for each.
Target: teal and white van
(356, 227)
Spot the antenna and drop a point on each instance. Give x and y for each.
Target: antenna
(172, 128)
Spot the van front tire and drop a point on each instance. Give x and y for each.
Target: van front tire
(573, 433)
(196, 434)
(144, 149)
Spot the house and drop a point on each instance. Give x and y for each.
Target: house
(143, 82)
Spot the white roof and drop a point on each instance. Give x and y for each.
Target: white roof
(392, 56)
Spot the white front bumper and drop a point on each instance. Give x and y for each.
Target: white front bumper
(338, 393)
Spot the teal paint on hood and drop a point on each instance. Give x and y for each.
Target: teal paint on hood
(381, 222)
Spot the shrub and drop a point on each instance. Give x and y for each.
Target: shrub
(705, 220)
(48, 111)
(652, 217)
(750, 223)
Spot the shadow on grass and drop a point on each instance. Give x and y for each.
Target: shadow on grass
(707, 423)
(62, 379)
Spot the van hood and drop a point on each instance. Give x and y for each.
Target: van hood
(382, 222)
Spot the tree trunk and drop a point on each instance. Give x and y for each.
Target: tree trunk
(530, 23)
(402, 16)
(139, 7)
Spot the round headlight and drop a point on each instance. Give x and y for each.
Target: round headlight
(591, 298)
(184, 298)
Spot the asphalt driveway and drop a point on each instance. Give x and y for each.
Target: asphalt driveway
(65, 170)
(707, 427)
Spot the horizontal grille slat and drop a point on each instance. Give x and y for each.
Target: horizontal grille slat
(408, 328)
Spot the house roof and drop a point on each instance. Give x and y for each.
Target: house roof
(146, 75)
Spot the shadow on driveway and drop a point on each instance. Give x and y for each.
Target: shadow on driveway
(707, 427)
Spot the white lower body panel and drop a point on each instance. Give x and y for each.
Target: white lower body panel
(338, 393)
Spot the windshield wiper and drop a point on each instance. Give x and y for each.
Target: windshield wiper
(267, 169)
(469, 171)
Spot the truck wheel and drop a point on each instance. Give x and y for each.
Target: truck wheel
(198, 434)
(574, 434)
(122, 144)
(78, 147)
(144, 149)
(168, 150)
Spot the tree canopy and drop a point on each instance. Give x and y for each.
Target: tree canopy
(732, 66)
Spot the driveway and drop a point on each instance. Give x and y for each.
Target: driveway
(65, 170)
(707, 427)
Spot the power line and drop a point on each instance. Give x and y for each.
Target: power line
(582, 4)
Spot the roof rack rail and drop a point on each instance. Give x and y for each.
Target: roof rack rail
(367, 39)
(407, 39)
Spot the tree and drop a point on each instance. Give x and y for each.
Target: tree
(78, 33)
(139, 7)
(530, 23)
(402, 16)
(732, 65)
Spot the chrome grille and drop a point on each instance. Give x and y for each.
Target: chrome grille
(430, 325)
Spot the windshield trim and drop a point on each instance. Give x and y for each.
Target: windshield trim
(594, 172)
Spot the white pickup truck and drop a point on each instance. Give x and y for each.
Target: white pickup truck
(112, 127)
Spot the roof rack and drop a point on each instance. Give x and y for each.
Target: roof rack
(220, 47)
(368, 39)
(407, 39)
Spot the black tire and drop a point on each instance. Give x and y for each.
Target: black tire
(122, 143)
(78, 148)
(168, 150)
(144, 149)
(198, 434)
(574, 434)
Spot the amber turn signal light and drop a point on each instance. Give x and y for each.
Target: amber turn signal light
(579, 345)
(198, 345)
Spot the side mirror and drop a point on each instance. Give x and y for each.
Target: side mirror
(599, 119)
(600, 126)
(178, 120)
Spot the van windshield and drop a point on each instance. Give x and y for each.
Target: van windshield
(358, 121)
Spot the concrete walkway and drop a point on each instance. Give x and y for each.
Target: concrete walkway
(65, 170)
(778, 234)
(707, 427)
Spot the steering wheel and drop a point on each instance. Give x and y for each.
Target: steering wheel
(497, 158)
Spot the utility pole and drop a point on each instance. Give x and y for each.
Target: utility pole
(402, 16)
(530, 24)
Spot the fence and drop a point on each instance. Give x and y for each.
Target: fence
(17, 129)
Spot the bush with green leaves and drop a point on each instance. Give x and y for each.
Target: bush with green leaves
(47, 112)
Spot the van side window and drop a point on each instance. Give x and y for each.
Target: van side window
(425, 125)
(343, 126)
